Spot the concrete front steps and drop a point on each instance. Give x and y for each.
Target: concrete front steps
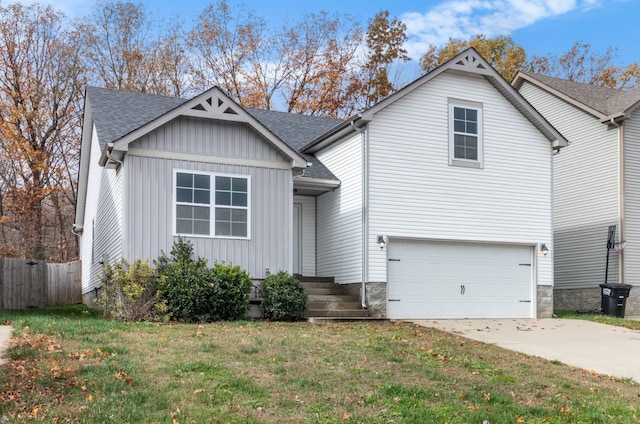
(326, 299)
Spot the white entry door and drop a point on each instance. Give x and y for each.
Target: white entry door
(459, 280)
(297, 238)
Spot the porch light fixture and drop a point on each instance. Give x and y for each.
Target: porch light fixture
(544, 249)
(382, 242)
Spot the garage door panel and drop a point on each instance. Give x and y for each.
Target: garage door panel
(458, 280)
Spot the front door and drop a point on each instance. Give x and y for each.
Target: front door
(297, 238)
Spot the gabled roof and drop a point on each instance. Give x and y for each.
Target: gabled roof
(121, 116)
(602, 102)
(468, 61)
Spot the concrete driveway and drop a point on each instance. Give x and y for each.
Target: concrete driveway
(602, 348)
(5, 336)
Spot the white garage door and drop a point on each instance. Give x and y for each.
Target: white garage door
(459, 280)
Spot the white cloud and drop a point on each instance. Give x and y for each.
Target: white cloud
(462, 19)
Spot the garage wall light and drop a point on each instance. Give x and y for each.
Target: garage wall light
(382, 242)
(544, 250)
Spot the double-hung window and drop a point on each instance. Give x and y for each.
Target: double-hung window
(465, 134)
(214, 205)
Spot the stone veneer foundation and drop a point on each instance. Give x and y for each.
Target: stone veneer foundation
(590, 298)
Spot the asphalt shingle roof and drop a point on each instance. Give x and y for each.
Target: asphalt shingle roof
(116, 113)
(297, 131)
(607, 101)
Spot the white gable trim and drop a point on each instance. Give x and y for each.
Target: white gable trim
(212, 104)
(161, 154)
(470, 61)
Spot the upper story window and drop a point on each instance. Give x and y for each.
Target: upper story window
(215, 205)
(465, 134)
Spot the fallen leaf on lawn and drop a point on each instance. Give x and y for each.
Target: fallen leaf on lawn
(472, 407)
(486, 397)
(198, 391)
(346, 416)
(520, 420)
(462, 395)
(90, 398)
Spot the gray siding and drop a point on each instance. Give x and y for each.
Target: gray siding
(202, 137)
(149, 194)
(632, 198)
(340, 218)
(585, 191)
(415, 194)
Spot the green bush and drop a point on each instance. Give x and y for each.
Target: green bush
(129, 292)
(195, 293)
(233, 286)
(284, 297)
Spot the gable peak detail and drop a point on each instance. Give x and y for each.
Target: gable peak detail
(470, 60)
(214, 107)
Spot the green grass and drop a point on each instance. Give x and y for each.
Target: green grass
(70, 365)
(604, 319)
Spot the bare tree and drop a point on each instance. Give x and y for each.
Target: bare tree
(41, 80)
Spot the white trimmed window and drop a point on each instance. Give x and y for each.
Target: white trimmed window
(465, 134)
(211, 205)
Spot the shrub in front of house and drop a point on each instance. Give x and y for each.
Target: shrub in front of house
(129, 292)
(284, 298)
(233, 286)
(193, 292)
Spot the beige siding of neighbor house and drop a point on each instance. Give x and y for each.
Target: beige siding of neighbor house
(585, 192)
(201, 145)
(631, 253)
(415, 194)
(308, 238)
(339, 213)
(104, 214)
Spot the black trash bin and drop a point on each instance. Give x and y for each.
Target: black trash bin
(614, 298)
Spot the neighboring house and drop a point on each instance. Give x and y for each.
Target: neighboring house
(597, 184)
(434, 203)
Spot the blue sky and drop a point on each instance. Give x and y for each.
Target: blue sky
(540, 26)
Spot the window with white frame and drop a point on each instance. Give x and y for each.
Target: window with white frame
(465, 134)
(208, 204)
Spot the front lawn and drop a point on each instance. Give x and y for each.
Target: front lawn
(69, 365)
(603, 319)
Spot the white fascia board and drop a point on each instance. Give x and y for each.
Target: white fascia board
(520, 77)
(88, 130)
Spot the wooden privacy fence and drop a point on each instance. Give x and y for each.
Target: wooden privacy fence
(37, 284)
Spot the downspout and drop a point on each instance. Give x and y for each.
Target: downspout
(622, 271)
(365, 206)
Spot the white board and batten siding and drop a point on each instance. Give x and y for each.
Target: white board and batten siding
(340, 213)
(632, 197)
(586, 191)
(307, 235)
(102, 235)
(151, 163)
(415, 194)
